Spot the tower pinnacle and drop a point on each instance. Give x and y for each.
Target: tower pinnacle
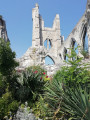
(36, 5)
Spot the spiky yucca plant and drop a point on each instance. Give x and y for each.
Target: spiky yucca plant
(76, 103)
(66, 103)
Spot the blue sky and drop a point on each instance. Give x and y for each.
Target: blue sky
(18, 17)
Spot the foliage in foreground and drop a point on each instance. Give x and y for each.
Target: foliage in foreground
(67, 95)
(64, 97)
(31, 82)
(7, 69)
(7, 105)
(67, 103)
(76, 73)
(76, 104)
(7, 61)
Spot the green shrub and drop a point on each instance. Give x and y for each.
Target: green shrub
(31, 84)
(8, 80)
(7, 105)
(13, 106)
(40, 108)
(76, 73)
(67, 95)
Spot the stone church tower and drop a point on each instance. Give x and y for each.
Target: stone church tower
(42, 34)
(36, 54)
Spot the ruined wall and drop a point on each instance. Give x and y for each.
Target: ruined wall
(36, 54)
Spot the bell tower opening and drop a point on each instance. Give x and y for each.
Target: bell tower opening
(47, 44)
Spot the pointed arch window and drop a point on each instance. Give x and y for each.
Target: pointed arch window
(49, 61)
(47, 44)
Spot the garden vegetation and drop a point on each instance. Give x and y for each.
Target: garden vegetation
(65, 96)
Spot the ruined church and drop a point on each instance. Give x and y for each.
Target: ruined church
(56, 47)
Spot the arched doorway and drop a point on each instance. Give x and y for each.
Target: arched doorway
(49, 61)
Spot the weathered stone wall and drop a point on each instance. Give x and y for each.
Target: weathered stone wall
(36, 54)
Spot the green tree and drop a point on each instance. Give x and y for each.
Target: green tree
(8, 79)
(7, 58)
(7, 66)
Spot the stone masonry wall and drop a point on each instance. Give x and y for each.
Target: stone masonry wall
(36, 54)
